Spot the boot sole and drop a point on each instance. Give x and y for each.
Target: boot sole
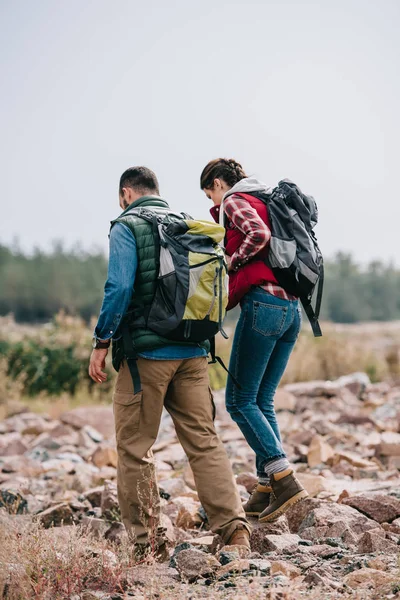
(282, 509)
(253, 514)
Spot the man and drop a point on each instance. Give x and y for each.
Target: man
(170, 374)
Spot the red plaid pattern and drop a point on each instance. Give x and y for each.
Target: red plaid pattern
(257, 235)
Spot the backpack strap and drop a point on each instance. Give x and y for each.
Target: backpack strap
(313, 314)
(131, 358)
(308, 309)
(217, 359)
(319, 291)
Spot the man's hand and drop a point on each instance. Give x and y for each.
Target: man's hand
(97, 364)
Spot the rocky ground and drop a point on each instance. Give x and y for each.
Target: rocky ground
(59, 516)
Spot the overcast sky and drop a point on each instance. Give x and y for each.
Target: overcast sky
(298, 89)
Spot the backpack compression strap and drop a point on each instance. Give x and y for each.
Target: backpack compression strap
(217, 359)
(312, 314)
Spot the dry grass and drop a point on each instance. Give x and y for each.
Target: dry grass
(67, 563)
(373, 348)
(59, 562)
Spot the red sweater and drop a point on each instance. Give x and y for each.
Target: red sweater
(252, 273)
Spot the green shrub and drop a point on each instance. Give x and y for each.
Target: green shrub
(44, 368)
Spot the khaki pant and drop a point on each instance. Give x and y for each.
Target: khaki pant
(182, 387)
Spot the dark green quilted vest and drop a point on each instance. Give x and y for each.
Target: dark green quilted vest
(145, 282)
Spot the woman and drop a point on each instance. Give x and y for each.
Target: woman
(266, 333)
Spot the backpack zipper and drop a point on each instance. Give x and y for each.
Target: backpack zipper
(215, 293)
(205, 262)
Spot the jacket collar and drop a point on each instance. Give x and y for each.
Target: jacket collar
(155, 201)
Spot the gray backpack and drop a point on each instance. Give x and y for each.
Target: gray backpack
(294, 255)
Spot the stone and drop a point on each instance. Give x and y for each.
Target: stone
(93, 433)
(179, 548)
(296, 514)
(109, 502)
(86, 443)
(354, 418)
(260, 530)
(248, 480)
(390, 444)
(100, 418)
(103, 474)
(356, 383)
(354, 459)
(23, 465)
(226, 557)
(285, 568)
(284, 400)
(105, 455)
(142, 577)
(282, 542)
(234, 567)
(319, 452)
(378, 563)
(379, 507)
(371, 578)
(316, 578)
(60, 514)
(314, 484)
(375, 541)
(95, 526)
(116, 533)
(312, 389)
(324, 551)
(83, 478)
(188, 516)
(12, 444)
(34, 424)
(94, 495)
(173, 455)
(205, 541)
(240, 551)
(58, 466)
(72, 456)
(192, 564)
(13, 502)
(332, 520)
(169, 531)
(174, 487)
(393, 462)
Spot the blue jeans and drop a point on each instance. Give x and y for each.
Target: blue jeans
(265, 335)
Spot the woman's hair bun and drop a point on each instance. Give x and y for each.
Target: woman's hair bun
(227, 169)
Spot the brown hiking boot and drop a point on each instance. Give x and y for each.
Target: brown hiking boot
(286, 491)
(258, 501)
(240, 537)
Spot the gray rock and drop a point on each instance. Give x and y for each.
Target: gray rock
(61, 514)
(192, 564)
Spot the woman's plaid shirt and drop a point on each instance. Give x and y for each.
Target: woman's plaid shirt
(256, 236)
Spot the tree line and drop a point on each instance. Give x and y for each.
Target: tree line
(34, 287)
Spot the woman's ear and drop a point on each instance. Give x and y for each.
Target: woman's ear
(217, 184)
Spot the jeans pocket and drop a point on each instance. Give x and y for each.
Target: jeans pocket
(268, 319)
(127, 409)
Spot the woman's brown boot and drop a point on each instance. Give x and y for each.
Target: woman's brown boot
(258, 501)
(286, 491)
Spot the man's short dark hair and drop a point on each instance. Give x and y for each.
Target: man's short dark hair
(140, 179)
